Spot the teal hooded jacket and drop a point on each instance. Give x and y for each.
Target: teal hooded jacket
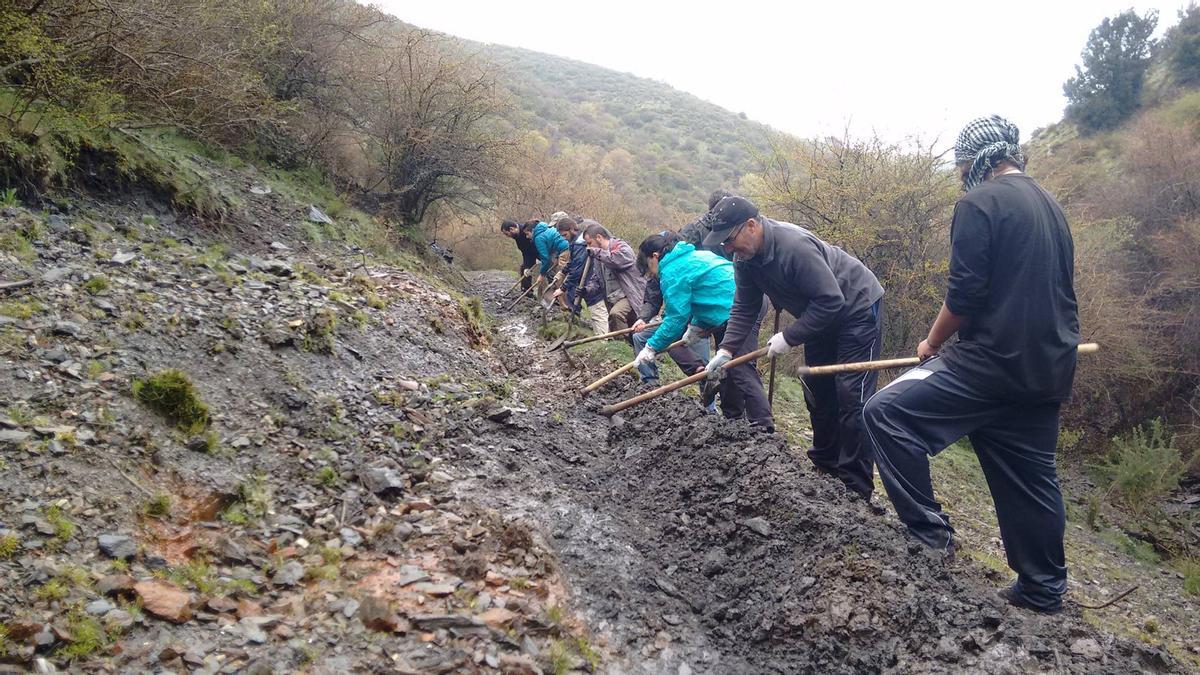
(549, 245)
(696, 285)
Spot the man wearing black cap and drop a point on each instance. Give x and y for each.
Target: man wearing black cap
(838, 307)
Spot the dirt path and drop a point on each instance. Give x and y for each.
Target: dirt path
(693, 544)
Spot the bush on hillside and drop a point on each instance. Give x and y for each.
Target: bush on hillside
(1143, 466)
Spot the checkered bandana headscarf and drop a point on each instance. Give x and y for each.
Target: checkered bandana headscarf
(985, 141)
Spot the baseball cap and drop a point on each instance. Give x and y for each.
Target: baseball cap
(726, 215)
(557, 216)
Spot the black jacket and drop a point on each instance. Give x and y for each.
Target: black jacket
(818, 283)
(528, 251)
(1012, 275)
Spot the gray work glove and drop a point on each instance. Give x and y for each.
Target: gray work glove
(716, 366)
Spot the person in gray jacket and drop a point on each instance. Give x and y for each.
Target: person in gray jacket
(625, 284)
(838, 305)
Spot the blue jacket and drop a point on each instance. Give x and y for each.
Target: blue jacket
(549, 245)
(593, 287)
(696, 284)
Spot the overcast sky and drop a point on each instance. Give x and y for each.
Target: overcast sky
(900, 69)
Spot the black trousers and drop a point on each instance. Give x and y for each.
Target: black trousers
(835, 404)
(928, 408)
(742, 390)
(526, 263)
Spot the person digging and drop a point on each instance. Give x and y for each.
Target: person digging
(527, 248)
(698, 291)
(623, 284)
(1010, 298)
(838, 305)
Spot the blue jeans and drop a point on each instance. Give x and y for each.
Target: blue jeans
(688, 358)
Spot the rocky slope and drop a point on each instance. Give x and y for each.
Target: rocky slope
(383, 477)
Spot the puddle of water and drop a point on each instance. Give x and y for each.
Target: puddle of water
(518, 332)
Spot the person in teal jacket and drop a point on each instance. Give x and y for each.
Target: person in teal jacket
(551, 247)
(697, 288)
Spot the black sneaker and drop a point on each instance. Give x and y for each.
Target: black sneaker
(1010, 595)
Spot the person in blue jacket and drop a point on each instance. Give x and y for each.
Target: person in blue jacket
(552, 250)
(576, 288)
(699, 285)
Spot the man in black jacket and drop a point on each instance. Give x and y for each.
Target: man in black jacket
(838, 305)
(1011, 299)
(529, 259)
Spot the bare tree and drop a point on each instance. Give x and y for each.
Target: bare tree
(426, 120)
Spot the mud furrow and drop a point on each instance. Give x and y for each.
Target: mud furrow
(699, 545)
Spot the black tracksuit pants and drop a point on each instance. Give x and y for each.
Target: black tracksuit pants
(835, 404)
(928, 408)
(742, 390)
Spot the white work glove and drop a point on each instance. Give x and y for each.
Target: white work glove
(777, 346)
(528, 272)
(717, 365)
(694, 335)
(645, 356)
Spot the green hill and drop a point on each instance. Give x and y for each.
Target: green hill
(658, 140)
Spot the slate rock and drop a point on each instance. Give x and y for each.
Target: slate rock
(384, 481)
(123, 258)
(164, 600)
(758, 525)
(289, 575)
(117, 546)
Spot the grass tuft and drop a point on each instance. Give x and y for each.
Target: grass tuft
(171, 394)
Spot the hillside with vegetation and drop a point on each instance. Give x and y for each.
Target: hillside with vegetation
(654, 142)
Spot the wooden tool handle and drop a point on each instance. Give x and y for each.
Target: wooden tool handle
(519, 297)
(1085, 348)
(667, 388)
(604, 336)
(617, 373)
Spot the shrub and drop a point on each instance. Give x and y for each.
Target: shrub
(1143, 466)
(171, 394)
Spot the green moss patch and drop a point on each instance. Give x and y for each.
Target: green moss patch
(171, 394)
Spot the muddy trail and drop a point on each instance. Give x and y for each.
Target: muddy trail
(694, 544)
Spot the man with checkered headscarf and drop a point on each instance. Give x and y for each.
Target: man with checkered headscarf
(1010, 299)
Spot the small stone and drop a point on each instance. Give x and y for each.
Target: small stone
(1087, 648)
(123, 258)
(119, 619)
(115, 585)
(498, 617)
(222, 604)
(289, 575)
(383, 481)
(500, 414)
(277, 246)
(252, 630)
(55, 274)
(436, 590)
(99, 607)
(117, 546)
(376, 613)
(317, 216)
(67, 328)
(164, 600)
(758, 525)
(409, 385)
(350, 537)
(260, 190)
(13, 436)
(715, 562)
